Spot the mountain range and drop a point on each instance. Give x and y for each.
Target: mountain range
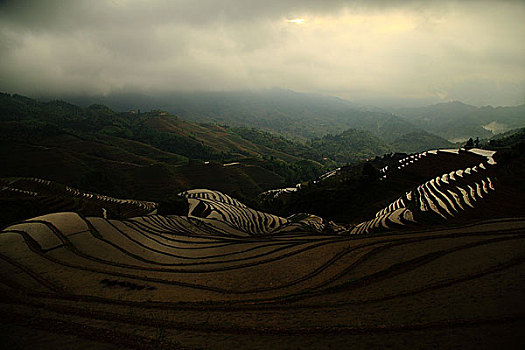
(125, 153)
(146, 230)
(304, 116)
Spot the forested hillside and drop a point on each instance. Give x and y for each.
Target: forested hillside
(126, 154)
(291, 114)
(97, 148)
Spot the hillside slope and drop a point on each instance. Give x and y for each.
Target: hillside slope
(129, 155)
(289, 113)
(457, 184)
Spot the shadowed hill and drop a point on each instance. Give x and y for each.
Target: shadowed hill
(132, 155)
(22, 198)
(157, 182)
(405, 191)
(356, 193)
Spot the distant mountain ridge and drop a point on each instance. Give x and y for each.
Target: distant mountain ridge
(457, 121)
(374, 132)
(291, 114)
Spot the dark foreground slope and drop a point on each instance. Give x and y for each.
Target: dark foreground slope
(149, 283)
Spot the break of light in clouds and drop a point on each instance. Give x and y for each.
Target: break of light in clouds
(467, 50)
(296, 20)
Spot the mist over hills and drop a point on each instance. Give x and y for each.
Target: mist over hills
(123, 154)
(289, 113)
(457, 121)
(367, 133)
(303, 116)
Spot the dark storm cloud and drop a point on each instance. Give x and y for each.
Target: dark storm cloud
(353, 49)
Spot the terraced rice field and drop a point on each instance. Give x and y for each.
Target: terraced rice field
(226, 276)
(226, 215)
(56, 197)
(170, 282)
(440, 199)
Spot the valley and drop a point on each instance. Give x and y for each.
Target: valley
(254, 175)
(149, 231)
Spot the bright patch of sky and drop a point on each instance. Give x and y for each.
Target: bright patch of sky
(296, 20)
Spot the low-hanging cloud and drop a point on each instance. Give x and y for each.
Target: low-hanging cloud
(353, 49)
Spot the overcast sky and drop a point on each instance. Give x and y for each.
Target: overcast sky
(471, 51)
